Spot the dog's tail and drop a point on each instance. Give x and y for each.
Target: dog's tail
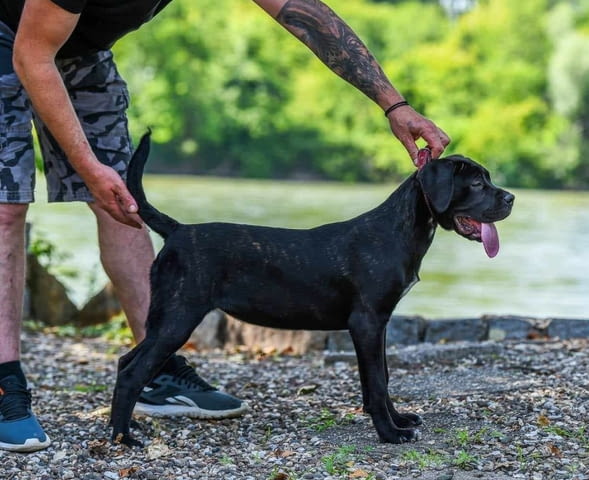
(156, 220)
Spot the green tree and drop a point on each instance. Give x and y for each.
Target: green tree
(569, 89)
(228, 91)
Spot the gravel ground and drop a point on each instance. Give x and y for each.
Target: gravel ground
(519, 413)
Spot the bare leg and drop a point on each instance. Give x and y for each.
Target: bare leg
(126, 254)
(12, 273)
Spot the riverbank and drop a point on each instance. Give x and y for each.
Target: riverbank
(492, 411)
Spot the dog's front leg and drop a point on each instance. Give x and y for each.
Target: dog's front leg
(401, 420)
(367, 333)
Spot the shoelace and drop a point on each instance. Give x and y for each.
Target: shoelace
(15, 402)
(186, 374)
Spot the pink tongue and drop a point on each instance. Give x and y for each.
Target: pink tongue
(490, 239)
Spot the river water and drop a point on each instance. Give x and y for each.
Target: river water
(542, 269)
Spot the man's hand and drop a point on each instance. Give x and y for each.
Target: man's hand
(110, 193)
(409, 126)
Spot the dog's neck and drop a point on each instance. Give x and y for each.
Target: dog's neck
(409, 205)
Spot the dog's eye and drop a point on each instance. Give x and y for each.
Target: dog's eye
(477, 183)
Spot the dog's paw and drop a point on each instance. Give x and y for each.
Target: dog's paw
(135, 424)
(126, 439)
(402, 435)
(408, 420)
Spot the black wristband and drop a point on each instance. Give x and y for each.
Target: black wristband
(395, 106)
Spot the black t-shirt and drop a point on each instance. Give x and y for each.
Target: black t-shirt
(101, 24)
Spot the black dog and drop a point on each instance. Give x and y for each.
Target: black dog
(345, 275)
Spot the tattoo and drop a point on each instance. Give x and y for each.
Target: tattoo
(335, 43)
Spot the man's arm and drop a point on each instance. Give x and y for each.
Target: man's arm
(336, 45)
(44, 27)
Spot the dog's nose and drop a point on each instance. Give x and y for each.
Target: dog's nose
(508, 198)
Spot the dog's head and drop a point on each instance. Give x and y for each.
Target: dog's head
(462, 198)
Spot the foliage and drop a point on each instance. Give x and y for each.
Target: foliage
(228, 91)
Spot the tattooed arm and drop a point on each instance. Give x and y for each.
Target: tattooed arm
(336, 45)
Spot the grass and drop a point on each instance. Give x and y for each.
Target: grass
(579, 434)
(462, 438)
(339, 462)
(116, 330)
(431, 458)
(90, 388)
(327, 419)
(277, 474)
(464, 460)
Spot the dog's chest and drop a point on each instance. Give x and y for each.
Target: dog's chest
(410, 285)
(412, 272)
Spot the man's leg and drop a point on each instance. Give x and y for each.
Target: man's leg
(126, 254)
(12, 273)
(19, 429)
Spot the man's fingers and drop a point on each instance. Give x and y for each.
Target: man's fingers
(128, 218)
(119, 210)
(127, 208)
(126, 201)
(411, 147)
(441, 141)
(121, 216)
(409, 126)
(437, 149)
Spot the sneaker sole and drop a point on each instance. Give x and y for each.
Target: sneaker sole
(186, 411)
(31, 445)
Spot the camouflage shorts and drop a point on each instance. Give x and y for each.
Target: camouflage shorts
(100, 98)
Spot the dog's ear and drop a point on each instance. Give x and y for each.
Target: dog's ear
(437, 182)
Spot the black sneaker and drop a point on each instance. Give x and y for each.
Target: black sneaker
(181, 392)
(19, 429)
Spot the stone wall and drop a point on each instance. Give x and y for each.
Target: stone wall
(413, 330)
(228, 332)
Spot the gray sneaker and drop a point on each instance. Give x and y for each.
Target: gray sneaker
(180, 391)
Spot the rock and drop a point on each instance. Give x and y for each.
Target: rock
(565, 328)
(467, 329)
(262, 338)
(211, 333)
(340, 341)
(48, 298)
(447, 353)
(401, 330)
(100, 308)
(510, 327)
(405, 330)
(425, 353)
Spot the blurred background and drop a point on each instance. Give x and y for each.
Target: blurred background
(248, 126)
(228, 91)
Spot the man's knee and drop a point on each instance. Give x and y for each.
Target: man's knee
(13, 215)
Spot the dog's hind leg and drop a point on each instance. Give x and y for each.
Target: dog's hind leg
(139, 366)
(401, 420)
(367, 334)
(124, 391)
